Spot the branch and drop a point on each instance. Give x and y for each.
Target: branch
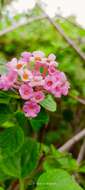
(69, 21)
(72, 141)
(17, 25)
(62, 33)
(81, 100)
(81, 153)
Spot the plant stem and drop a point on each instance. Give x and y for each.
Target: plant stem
(21, 182)
(72, 141)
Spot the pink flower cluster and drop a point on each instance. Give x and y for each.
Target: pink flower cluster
(34, 76)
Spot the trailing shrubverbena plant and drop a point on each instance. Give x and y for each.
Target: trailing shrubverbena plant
(34, 77)
(28, 91)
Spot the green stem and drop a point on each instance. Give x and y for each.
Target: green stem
(21, 182)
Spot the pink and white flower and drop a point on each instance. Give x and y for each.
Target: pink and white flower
(51, 70)
(38, 55)
(26, 56)
(4, 84)
(26, 91)
(37, 81)
(7, 81)
(55, 63)
(12, 64)
(38, 96)
(12, 76)
(51, 57)
(65, 88)
(49, 82)
(16, 65)
(57, 91)
(31, 109)
(34, 76)
(26, 75)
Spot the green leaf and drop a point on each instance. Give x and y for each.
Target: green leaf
(11, 94)
(21, 119)
(5, 113)
(23, 162)
(8, 124)
(82, 169)
(63, 160)
(11, 165)
(49, 103)
(57, 179)
(40, 120)
(29, 157)
(3, 176)
(1, 188)
(50, 163)
(11, 140)
(5, 96)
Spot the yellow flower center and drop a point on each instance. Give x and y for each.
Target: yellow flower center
(18, 66)
(37, 58)
(25, 76)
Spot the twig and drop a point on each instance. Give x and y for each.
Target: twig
(81, 153)
(81, 100)
(62, 33)
(17, 25)
(72, 141)
(69, 21)
(79, 160)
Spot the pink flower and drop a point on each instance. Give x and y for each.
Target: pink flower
(63, 77)
(33, 76)
(12, 64)
(49, 81)
(55, 63)
(16, 65)
(51, 70)
(4, 84)
(38, 96)
(37, 81)
(38, 55)
(31, 109)
(7, 81)
(12, 77)
(57, 91)
(1, 83)
(59, 77)
(51, 57)
(26, 75)
(60, 89)
(26, 91)
(26, 56)
(65, 88)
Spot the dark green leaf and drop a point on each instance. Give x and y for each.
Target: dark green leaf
(40, 120)
(23, 162)
(29, 157)
(5, 113)
(21, 119)
(11, 140)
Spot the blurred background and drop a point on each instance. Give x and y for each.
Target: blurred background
(53, 27)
